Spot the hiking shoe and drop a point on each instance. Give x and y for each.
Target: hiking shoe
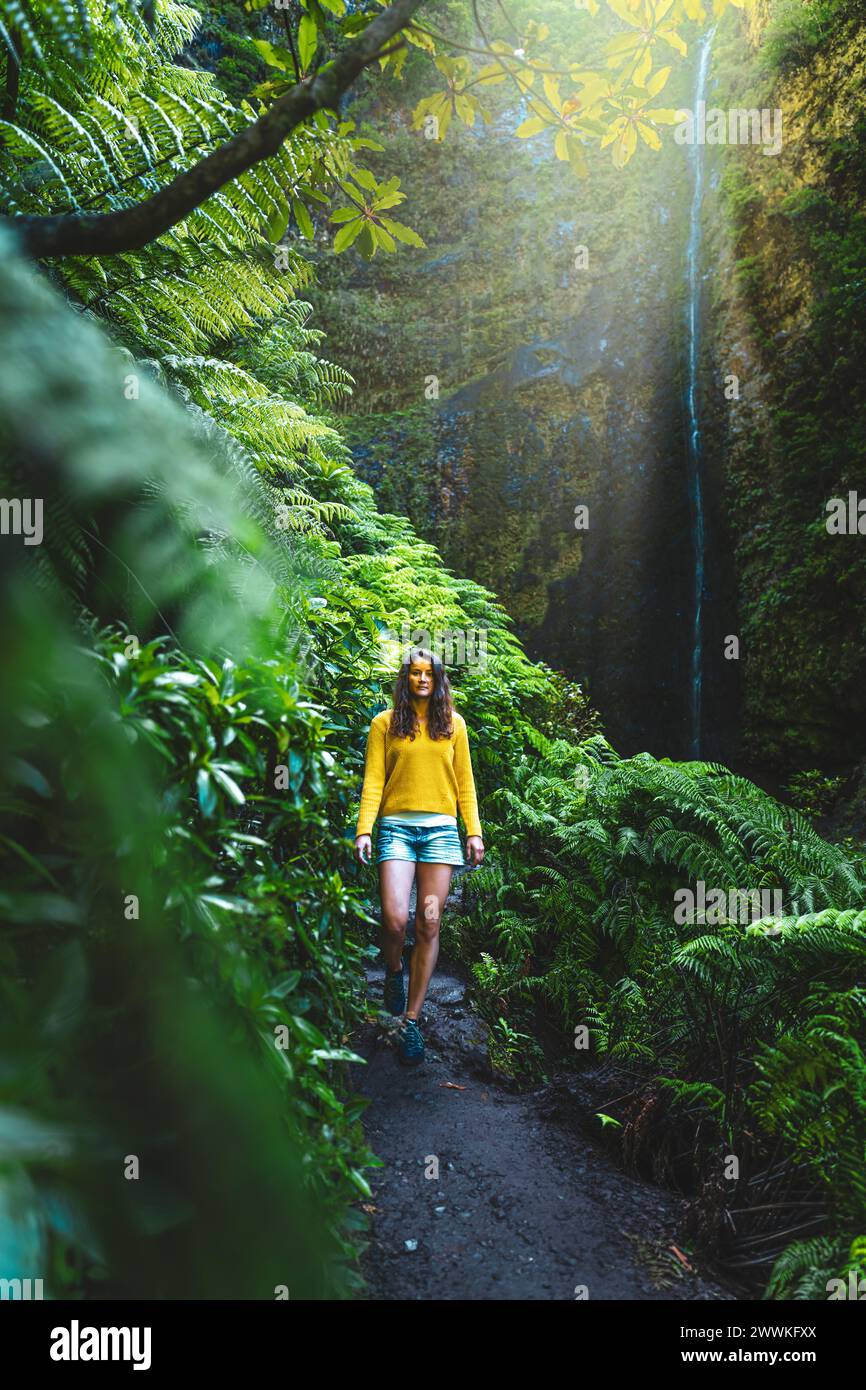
(395, 991)
(410, 1049)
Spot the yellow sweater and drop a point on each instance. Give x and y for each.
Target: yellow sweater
(420, 774)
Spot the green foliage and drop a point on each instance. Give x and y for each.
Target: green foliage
(799, 241)
(193, 656)
(151, 776)
(365, 222)
(514, 1053)
(812, 792)
(144, 763)
(224, 44)
(796, 30)
(103, 114)
(747, 1036)
(210, 590)
(600, 91)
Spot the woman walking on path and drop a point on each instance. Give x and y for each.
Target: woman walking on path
(417, 772)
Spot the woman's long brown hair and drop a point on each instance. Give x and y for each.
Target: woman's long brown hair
(404, 720)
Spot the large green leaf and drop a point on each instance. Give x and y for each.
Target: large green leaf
(308, 40)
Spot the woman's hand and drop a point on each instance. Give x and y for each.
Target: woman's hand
(474, 849)
(363, 848)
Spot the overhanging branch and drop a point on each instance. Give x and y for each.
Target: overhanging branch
(106, 233)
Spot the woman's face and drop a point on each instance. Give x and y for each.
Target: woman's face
(421, 678)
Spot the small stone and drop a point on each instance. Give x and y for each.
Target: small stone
(411, 1244)
(456, 996)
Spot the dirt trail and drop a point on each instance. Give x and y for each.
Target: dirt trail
(525, 1205)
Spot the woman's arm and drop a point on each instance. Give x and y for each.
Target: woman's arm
(374, 778)
(467, 798)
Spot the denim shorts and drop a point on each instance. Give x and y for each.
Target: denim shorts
(426, 844)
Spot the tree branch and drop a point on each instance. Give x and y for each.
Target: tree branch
(291, 42)
(107, 233)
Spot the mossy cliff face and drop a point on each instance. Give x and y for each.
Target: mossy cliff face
(788, 314)
(548, 310)
(561, 384)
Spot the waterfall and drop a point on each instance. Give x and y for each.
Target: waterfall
(695, 481)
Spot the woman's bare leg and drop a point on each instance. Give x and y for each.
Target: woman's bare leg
(395, 886)
(434, 881)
